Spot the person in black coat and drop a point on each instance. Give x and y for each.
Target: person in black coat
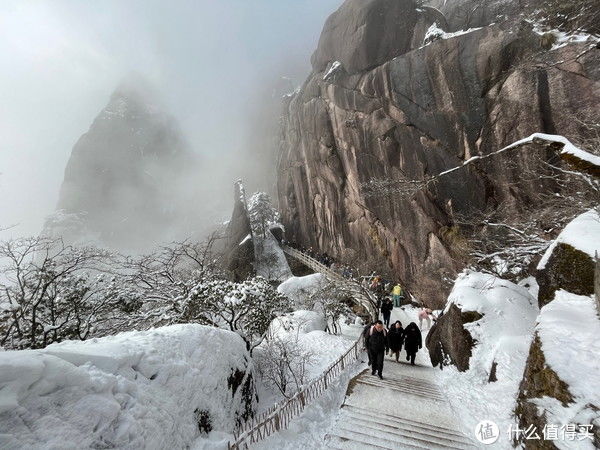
(377, 347)
(395, 339)
(412, 341)
(365, 336)
(386, 310)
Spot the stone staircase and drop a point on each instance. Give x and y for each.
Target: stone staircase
(405, 410)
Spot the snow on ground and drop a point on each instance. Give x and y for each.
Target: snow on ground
(305, 329)
(300, 289)
(132, 390)
(581, 233)
(307, 431)
(503, 335)
(271, 262)
(568, 328)
(298, 322)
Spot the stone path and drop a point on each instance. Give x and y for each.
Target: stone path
(405, 410)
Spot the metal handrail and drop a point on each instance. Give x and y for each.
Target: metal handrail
(361, 295)
(279, 416)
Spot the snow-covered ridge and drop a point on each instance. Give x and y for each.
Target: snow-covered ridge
(132, 390)
(581, 233)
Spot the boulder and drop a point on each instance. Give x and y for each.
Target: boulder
(569, 269)
(569, 263)
(449, 342)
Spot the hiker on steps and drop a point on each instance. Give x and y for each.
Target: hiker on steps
(386, 310)
(377, 347)
(397, 295)
(365, 336)
(425, 314)
(412, 341)
(395, 339)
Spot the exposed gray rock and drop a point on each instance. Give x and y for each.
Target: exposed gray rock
(416, 114)
(539, 380)
(122, 176)
(239, 247)
(569, 269)
(448, 342)
(364, 34)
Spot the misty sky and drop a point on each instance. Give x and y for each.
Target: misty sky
(210, 60)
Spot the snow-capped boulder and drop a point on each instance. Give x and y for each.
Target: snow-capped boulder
(297, 322)
(569, 262)
(561, 379)
(486, 318)
(300, 289)
(161, 388)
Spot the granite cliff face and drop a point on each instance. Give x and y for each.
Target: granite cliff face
(381, 105)
(122, 183)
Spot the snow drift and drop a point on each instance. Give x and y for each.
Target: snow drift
(300, 289)
(151, 389)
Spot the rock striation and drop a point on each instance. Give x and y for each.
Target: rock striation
(380, 105)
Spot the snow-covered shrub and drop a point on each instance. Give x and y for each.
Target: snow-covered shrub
(153, 389)
(283, 364)
(246, 308)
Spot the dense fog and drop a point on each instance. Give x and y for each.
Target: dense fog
(216, 70)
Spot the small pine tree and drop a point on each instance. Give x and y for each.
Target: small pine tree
(261, 213)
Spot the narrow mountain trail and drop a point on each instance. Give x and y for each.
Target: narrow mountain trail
(404, 410)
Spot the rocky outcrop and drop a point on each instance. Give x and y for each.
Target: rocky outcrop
(402, 112)
(123, 176)
(239, 246)
(569, 269)
(539, 381)
(448, 342)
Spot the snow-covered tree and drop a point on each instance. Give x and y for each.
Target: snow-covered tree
(262, 214)
(246, 308)
(50, 292)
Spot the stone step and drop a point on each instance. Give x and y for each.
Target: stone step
(420, 384)
(359, 439)
(424, 435)
(368, 412)
(401, 388)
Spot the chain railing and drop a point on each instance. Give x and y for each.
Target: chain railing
(279, 416)
(360, 294)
